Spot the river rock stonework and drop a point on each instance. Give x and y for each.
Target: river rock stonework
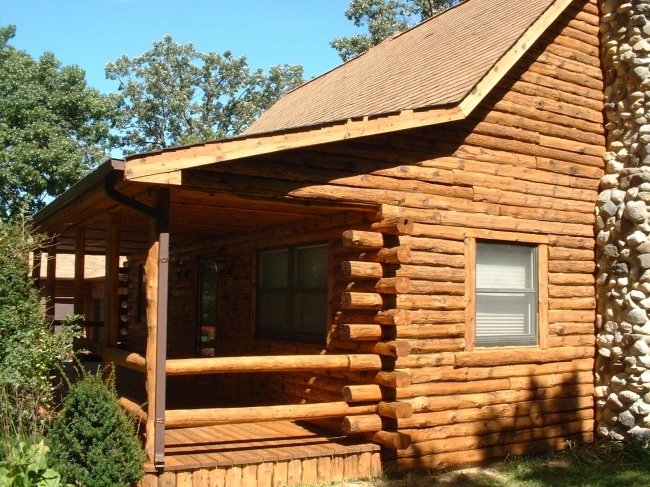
(623, 227)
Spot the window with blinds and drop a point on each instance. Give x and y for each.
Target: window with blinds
(506, 294)
(292, 293)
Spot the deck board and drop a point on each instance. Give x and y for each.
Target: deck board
(239, 445)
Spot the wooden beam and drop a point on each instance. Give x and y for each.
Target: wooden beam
(112, 280)
(185, 418)
(288, 363)
(79, 268)
(50, 279)
(157, 328)
(142, 168)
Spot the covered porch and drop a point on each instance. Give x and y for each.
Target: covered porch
(215, 396)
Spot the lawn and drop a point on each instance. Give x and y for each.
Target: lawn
(599, 465)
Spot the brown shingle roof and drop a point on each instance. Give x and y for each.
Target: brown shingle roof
(436, 63)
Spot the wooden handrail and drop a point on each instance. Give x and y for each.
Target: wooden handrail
(186, 418)
(283, 363)
(130, 360)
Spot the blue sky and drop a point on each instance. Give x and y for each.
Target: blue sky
(91, 33)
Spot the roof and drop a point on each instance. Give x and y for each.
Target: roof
(412, 80)
(436, 63)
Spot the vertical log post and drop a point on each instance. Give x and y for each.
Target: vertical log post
(157, 269)
(79, 267)
(50, 279)
(112, 280)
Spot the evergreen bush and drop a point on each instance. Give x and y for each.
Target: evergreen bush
(93, 441)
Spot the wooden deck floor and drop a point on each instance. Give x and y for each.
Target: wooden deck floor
(253, 443)
(270, 454)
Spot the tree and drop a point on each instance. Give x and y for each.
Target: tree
(383, 18)
(29, 349)
(53, 128)
(174, 95)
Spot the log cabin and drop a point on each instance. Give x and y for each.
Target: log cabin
(392, 269)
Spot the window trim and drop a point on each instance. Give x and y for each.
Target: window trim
(293, 337)
(542, 289)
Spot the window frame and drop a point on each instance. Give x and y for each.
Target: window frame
(540, 243)
(206, 259)
(289, 333)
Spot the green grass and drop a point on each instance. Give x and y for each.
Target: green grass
(603, 464)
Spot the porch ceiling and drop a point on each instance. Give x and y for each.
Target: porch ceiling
(194, 215)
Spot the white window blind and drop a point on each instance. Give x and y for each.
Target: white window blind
(506, 294)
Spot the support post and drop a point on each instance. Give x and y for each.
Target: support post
(79, 267)
(157, 271)
(112, 280)
(50, 280)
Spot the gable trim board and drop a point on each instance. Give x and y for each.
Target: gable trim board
(164, 167)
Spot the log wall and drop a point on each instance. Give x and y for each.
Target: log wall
(524, 167)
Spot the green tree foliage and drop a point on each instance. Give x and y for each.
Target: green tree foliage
(53, 128)
(93, 440)
(383, 18)
(29, 350)
(173, 95)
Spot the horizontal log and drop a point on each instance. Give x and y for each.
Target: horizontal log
(365, 423)
(187, 418)
(572, 303)
(394, 409)
(394, 379)
(394, 255)
(388, 285)
(378, 332)
(472, 443)
(495, 357)
(373, 301)
(491, 419)
(390, 439)
(555, 291)
(432, 245)
(437, 345)
(123, 358)
(418, 301)
(372, 270)
(437, 259)
(497, 425)
(389, 349)
(288, 363)
(442, 461)
(562, 329)
(559, 316)
(396, 317)
(572, 341)
(441, 373)
(358, 239)
(393, 226)
(436, 287)
(427, 316)
(429, 331)
(502, 197)
(133, 409)
(427, 360)
(462, 401)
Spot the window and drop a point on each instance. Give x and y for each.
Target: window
(292, 293)
(506, 294)
(208, 306)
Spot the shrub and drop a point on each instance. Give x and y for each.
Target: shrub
(27, 465)
(29, 349)
(93, 441)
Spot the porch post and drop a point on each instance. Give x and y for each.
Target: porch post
(112, 280)
(79, 267)
(157, 271)
(50, 279)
